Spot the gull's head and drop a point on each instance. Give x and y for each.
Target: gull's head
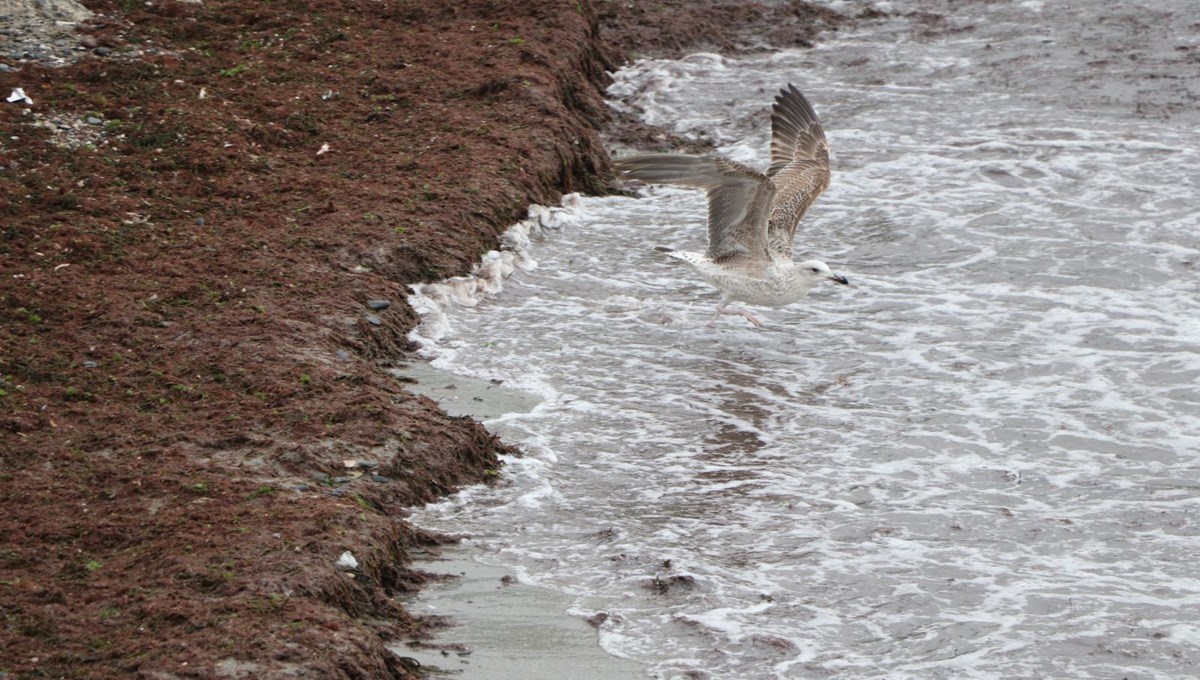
(818, 271)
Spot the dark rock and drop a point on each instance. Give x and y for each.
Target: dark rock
(374, 320)
(662, 586)
(88, 41)
(342, 480)
(101, 51)
(89, 364)
(378, 478)
(378, 305)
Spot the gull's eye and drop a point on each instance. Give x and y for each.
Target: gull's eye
(815, 270)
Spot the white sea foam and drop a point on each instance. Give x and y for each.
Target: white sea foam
(982, 460)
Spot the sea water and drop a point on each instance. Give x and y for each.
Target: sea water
(980, 460)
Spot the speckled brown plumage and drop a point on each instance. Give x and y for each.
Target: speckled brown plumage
(752, 216)
(799, 166)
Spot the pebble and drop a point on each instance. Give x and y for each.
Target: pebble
(319, 476)
(342, 354)
(89, 41)
(378, 478)
(347, 561)
(89, 364)
(5, 67)
(92, 120)
(101, 51)
(374, 320)
(378, 305)
(342, 480)
(301, 487)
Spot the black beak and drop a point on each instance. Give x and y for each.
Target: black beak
(841, 279)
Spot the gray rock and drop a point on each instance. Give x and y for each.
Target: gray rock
(92, 120)
(379, 305)
(319, 476)
(342, 354)
(342, 480)
(5, 67)
(89, 364)
(101, 51)
(374, 320)
(378, 478)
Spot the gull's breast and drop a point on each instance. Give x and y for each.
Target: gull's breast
(769, 288)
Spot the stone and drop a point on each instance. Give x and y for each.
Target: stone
(378, 305)
(378, 478)
(374, 320)
(347, 561)
(88, 41)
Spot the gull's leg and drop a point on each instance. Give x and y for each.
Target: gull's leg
(720, 310)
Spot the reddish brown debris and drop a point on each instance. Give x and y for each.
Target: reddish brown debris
(190, 228)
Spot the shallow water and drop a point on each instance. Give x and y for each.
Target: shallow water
(982, 460)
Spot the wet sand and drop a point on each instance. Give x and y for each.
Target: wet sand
(512, 631)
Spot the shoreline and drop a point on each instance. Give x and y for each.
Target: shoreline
(210, 219)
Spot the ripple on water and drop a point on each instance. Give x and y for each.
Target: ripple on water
(978, 461)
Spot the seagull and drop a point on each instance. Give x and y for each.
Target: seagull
(752, 215)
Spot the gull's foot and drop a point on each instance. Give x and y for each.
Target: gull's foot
(744, 313)
(757, 322)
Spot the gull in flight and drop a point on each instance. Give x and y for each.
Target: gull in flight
(752, 215)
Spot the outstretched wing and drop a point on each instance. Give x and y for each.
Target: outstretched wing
(739, 198)
(799, 165)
